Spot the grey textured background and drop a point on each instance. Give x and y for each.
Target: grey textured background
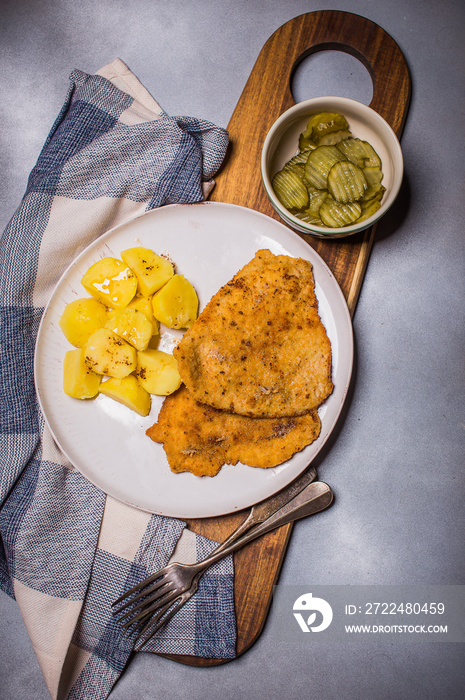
(397, 464)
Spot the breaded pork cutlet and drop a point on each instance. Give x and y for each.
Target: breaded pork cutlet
(259, 348)
(200, 439)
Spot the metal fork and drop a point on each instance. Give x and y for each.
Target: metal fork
(258, 514)
(153, 602)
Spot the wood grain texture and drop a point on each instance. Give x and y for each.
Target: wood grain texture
(266, 95)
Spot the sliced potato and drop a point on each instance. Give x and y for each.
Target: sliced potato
(79, 381)
(129, 392)
(81, 318)
(144, 304)
(152, 271)
(158, 372)
(110, 281)
(106, 353)
(176, 304)
(133, 326)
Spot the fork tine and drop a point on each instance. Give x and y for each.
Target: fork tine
(140, 586)
(158, 621)
(142, 596)
(143, 605)
(149, 610)
(164, 614)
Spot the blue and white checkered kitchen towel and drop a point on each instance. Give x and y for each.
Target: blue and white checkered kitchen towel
(67, 550)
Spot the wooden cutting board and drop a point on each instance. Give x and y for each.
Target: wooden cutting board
(266, 95)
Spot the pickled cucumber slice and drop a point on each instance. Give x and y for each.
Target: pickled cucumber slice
(359, 152)
(374, 177)
(336, 214)
(372, 159)
(333, 139)
(335, 179)
(297, 163)
(352, 149)
(372, 194)
(300, 158)
(369, 208)
(315, 200)
(290, 189)
(319, 163)
(375, 192)
(297, 168)
(346, 182)
(320, 125)
(309, 218)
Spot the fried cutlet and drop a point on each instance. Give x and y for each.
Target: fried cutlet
(200, 439)
(259, 347)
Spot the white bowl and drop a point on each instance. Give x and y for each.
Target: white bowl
(281, 144)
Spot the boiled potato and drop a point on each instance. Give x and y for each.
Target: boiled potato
(129, 392)
(107, 353)
(176, 304)
(79, 381)
(144, 304)
(158, 372)
(110, 281)
(152, 271)
(81, 318)
(133, 326)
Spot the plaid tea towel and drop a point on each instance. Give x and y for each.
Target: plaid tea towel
(66, 549)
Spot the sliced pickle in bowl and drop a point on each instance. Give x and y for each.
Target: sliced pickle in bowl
(336, 214)
(297, 163)
(309, 218)
(359, 152)
(335, 179)
(346, 182)
(320, 125)
(290, 189)
(319, 163)
(315, 200)
(369, 208)
(374, 177)
(334, 138)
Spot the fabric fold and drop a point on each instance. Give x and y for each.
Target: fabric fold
(67, 550)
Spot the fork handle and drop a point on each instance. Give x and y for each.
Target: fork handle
(312, 499)
(263, 510)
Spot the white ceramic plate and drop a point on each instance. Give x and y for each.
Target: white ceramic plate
(209, 242)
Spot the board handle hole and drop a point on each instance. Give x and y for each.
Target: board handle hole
(331, 72)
